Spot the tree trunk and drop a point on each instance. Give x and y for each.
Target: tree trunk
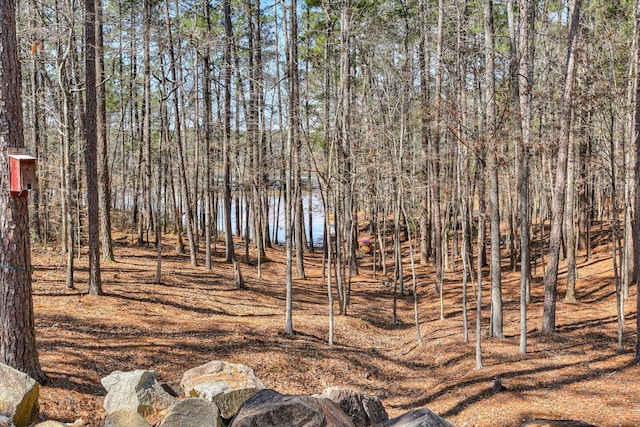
(104, 195)
(226, 139)
(569, 224)
(208, 134)
(557, 209)
(436, 219)
(294, 124)
(189, 221)
(525, 71)
(636, 138)
(492, 165)
(17, 330)
(91, 154)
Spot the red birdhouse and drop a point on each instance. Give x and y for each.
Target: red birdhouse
(22, 174)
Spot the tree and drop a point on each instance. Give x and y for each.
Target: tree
(177, 108)
(436, 220)
(103, 144)
(17, 336)
(292, 141)
(636, 139)
(492, 165)
(525, 71)
(557, 208)
(91, 151)
(226, 138)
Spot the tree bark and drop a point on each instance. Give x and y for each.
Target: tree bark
(104, 195)
(226, 139)
(557, 209)
(17, 329)
(91, 153)
(492, 166)
(189, 221)
(525, 71)
(636, 138)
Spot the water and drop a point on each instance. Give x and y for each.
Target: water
(317, 229)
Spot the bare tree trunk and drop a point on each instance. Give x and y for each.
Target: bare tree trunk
(569, 224)
(208, 131)
(226, 140)
(91, 154)
(628, 268)
(615, 236)
(292, 133)
(17, 329)
(636, 139)
(104, 195)
(435, 158)
(481, 232)
(178, 128)
(492, 165)
(294, 123)
(329, 251)
(66, 108)
(345, 138)
(557, 209)
(525, 71)
(425, 228)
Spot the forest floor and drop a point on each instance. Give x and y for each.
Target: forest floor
(196, 316)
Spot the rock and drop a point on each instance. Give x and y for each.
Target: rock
(125, 418)
(364, 410)
(554, 423)
(136, 391)
(417, 418)
(52, 423)
(5, 421)
(173, 388)
(18, 396)
(268, 408)
(227, 385)
(193, 412)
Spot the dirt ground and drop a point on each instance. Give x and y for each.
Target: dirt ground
(196, 316)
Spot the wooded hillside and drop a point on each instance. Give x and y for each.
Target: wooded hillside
(430, 145)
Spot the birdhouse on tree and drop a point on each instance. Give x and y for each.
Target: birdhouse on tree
(22, 174)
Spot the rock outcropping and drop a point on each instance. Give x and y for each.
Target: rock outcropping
(217, 394)
(18, 397)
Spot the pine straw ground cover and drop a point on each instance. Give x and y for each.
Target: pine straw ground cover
(196, 316)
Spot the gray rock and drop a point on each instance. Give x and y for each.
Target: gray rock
(5, 421)
(228, 385)
(192, 412)
(136, 391)
(52, 423)
(18, 396)
(268, 408)
(554, 423)
(363, 409)
(417, 418)
(125, 418)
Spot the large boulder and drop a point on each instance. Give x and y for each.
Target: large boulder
(417, 418)
(18, 396)
(227, 385)
(192, 412)
(268, 408)
(363, 409)
(125, 418)
(136, 391)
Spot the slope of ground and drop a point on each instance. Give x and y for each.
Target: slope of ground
(196, 316)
